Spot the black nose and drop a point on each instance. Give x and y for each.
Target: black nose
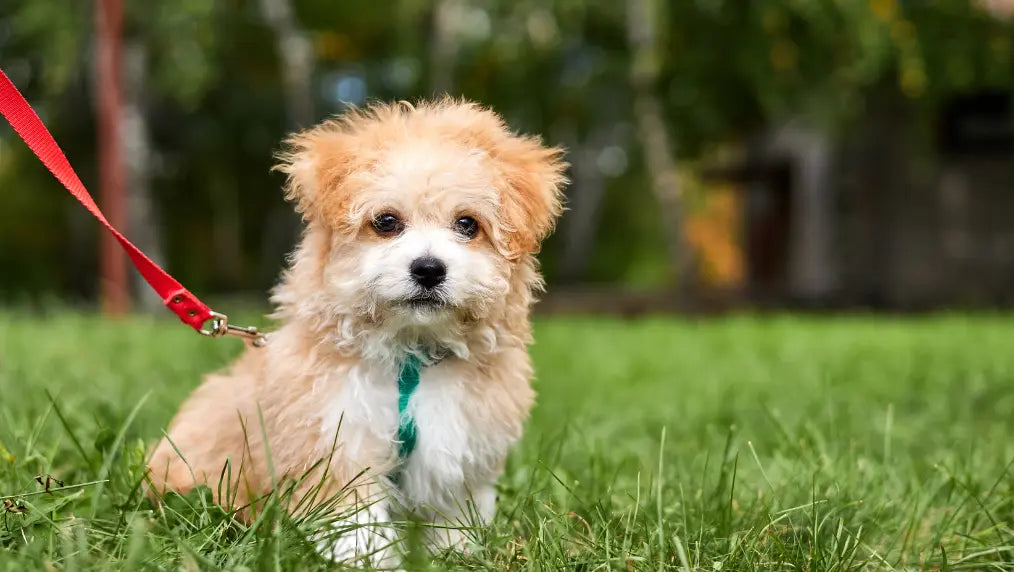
(428, 272)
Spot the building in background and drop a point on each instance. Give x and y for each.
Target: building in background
(896, 216)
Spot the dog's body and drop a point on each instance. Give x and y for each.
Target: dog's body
(421, 229)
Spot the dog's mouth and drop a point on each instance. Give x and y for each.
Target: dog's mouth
(425, 301)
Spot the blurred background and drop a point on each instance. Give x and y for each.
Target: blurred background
(724, 154)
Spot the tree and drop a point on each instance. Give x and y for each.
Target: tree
(220, 83)
(115, 296)
(654, 139)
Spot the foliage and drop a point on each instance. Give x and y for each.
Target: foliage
(560, 68)
(735, 444)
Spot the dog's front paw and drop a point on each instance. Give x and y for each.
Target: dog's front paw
(372, 546)
(366, 538)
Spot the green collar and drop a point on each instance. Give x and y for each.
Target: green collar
(408, 381)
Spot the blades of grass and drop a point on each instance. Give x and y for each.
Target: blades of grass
(225, 476)
(70, 432)
(658, 502)
(760, 466)
(888, 427)
(723, 473)
(681, 552)
(33, 434)
(628, 537)
(815, 540)
(512, 515)
(981, 553)
(565, 486)
(137, 542)
(267, 448)
(996, 525)
(107, 463)
(186, 464)
(876, 556)
(310, 498)
(732, 495)
(61, 489)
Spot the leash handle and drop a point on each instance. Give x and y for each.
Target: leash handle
(180, 301)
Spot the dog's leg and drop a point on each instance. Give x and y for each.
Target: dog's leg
(364, 535)
(456, 528)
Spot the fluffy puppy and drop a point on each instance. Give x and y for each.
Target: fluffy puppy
(421, 228)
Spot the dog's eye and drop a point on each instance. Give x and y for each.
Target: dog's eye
(466, 227)
(387, 224)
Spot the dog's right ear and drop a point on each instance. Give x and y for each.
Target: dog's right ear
(317, 162)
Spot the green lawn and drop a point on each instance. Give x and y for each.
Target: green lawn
(728, 444)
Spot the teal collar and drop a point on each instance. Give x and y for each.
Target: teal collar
(408, 381)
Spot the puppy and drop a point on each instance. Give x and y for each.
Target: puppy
(399, 377)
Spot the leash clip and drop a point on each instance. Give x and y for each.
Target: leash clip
(220, 326)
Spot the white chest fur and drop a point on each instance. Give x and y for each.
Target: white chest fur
(460, 447)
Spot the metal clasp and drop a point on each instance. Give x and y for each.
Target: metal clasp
(220, 326)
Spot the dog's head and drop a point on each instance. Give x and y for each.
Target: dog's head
(420, 214)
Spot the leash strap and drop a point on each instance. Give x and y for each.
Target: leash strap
(178, 299)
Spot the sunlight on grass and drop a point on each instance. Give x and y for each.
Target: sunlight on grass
(730, 444)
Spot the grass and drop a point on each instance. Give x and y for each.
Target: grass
(731, 444)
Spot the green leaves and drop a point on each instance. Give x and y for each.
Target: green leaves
(214, 98)
(182, 38)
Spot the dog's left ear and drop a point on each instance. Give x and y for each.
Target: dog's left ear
(317, 162)
(531, 193)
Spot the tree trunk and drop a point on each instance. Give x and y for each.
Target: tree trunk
(811, 271)
(145, 231)
(295, 52)
(115, 293)
(587, 190)
(227, 232)
(444, 46)
(655, 143)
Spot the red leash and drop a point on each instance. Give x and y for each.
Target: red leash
(178, 299)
